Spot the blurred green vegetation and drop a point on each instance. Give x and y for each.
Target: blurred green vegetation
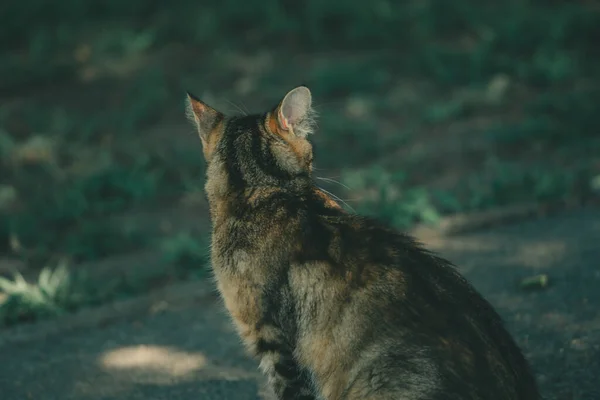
(426, 108)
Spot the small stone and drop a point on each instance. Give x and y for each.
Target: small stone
(595, 183)
(578, 344)
(82, 53)
(357, 107)
(159, 307)
(37, 150)
(535, 282)
(497, 88)
(8, 196)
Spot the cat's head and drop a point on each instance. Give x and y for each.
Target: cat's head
(261, 150)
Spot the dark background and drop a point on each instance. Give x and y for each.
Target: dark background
(426, 108)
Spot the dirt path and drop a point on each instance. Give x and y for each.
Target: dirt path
(191, 351)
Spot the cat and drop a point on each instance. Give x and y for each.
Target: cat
(337, 306)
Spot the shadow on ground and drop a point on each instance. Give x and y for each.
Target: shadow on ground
(193, 353)
(190, 353)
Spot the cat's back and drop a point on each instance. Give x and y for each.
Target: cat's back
(409, 310)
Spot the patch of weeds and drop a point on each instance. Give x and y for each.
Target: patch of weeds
(560, 126)
(468, 101)
(530, 130)
(342, 78)
(94, 240)
(23, 122)
(61, 290)
(54, 293)
(462, 43)
(384, 197)
(122, 41)
(189, 253)
(43, 59)
(83, 241)
(574, 112)
(345, 141)
(502, 183)
(8, 197)
(145, 100)
(356, 136)
(116, 187)
(445, 111)
(531, 42)
(183, 167)
(354, 23)
(70, 217)
(68, 191)
(555, 118)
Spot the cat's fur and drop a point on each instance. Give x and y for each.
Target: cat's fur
(334, 305)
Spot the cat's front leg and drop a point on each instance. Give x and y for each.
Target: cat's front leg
(286, 379)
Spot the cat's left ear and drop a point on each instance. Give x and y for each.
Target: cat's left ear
(206, 119)
(295, 114)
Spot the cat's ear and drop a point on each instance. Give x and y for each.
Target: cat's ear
(295, 113)
(204, 117)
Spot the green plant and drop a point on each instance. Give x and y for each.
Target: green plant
(387, 197)
(52, 294)
(502, 183)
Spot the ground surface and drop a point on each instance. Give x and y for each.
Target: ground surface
(191, 352)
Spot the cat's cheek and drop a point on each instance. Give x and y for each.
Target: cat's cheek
(287, 160)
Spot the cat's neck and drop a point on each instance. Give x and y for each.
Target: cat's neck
(233, 204)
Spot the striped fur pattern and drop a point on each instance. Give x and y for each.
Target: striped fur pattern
(337, 306)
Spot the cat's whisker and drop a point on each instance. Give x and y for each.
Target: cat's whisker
(338, 199)
(245, 108)
(321, 169)
(238, 108)
(332, 181)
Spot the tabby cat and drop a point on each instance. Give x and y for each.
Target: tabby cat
(338, 306)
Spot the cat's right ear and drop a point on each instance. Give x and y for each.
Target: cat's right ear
(295, 114)
(205, 118)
